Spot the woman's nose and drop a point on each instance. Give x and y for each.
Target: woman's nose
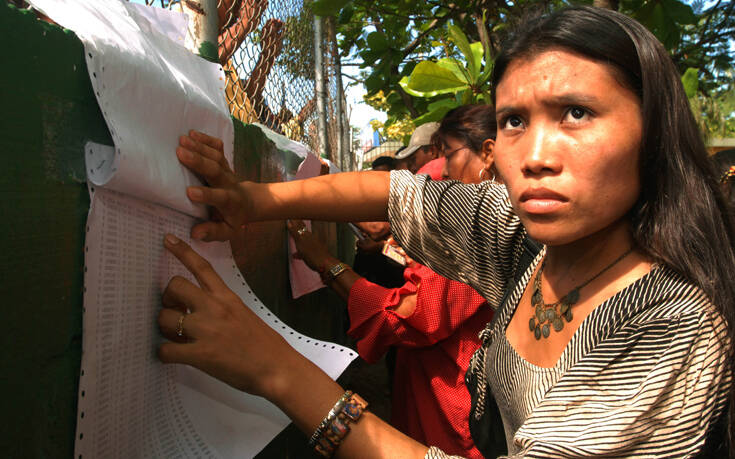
(445, 170)
(542, 151)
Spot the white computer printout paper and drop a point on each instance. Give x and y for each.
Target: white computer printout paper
(131, 405)
(151, 90)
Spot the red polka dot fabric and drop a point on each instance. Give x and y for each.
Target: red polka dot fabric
(435, 343)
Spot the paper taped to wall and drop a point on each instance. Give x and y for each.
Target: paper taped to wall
(151, 90)
(130, 404)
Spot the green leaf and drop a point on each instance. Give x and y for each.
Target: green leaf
(467, 97)
(429, 79)
(460, 40)
(374, 82)
(369, 56)
(450, 102)
(377, 41)
(679, 12)
(486, 72)
(328, 7)
(454, 66)
(477, 55)
(690, 80)
(346, 14)
(436, 114)
(662, 17)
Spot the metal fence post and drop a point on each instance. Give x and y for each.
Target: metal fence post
(321, 87)
(203, 28)
(343, 146)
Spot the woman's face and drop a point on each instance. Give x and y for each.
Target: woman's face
(461, 163)
(568, 144)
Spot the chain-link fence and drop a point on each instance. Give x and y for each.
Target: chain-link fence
(266, 48)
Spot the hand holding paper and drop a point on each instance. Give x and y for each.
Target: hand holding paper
(230, 204)
(223, 337)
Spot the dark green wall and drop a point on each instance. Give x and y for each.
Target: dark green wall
(47, 113)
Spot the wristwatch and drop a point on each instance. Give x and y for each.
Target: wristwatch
(332, 273)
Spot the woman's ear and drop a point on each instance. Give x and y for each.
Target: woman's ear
(486, 154)
(488, 157)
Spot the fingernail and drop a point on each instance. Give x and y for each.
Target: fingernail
(171, 239)
(196, 194)
(184, 154)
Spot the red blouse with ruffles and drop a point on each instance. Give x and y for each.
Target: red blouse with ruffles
(434, 344)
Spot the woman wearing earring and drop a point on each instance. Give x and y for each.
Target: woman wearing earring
(616, 338)
(432, 321)
(463, 140)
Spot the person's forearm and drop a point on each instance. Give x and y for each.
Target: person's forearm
(349, 196)
(344, 282)
(307, 399)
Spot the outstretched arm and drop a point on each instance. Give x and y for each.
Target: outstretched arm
(349, 196)
(317, 257)
(227, 340)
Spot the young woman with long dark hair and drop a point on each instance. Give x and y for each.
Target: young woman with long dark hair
(610, 255)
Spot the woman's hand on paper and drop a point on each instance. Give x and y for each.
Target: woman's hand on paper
(220, 335)
(310, 249)
(204, 155)
(225, 339)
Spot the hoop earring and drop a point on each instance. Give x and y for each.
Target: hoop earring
(480, 174)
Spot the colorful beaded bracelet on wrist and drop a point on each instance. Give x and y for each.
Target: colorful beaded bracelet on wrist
(336, 425)
(330, 416)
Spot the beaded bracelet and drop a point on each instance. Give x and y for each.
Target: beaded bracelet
(335, 427)
(328, 419)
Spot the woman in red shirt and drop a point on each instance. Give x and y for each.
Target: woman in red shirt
(432, 321)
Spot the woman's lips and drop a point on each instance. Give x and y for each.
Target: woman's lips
(542, 201)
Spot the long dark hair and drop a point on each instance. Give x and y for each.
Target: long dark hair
(681, 218)
(470, 124)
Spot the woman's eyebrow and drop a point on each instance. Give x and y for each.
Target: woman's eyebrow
(571, 98)
(506, 110)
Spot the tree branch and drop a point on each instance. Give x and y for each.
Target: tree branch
(407, 102)
(417, 41)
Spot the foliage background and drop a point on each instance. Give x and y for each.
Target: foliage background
(387, 39)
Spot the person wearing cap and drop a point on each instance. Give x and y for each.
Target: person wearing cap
(419, 150)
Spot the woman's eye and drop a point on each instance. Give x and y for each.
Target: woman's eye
(576, 115)
(512, 122)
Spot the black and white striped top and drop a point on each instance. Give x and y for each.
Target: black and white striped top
(645, 375)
